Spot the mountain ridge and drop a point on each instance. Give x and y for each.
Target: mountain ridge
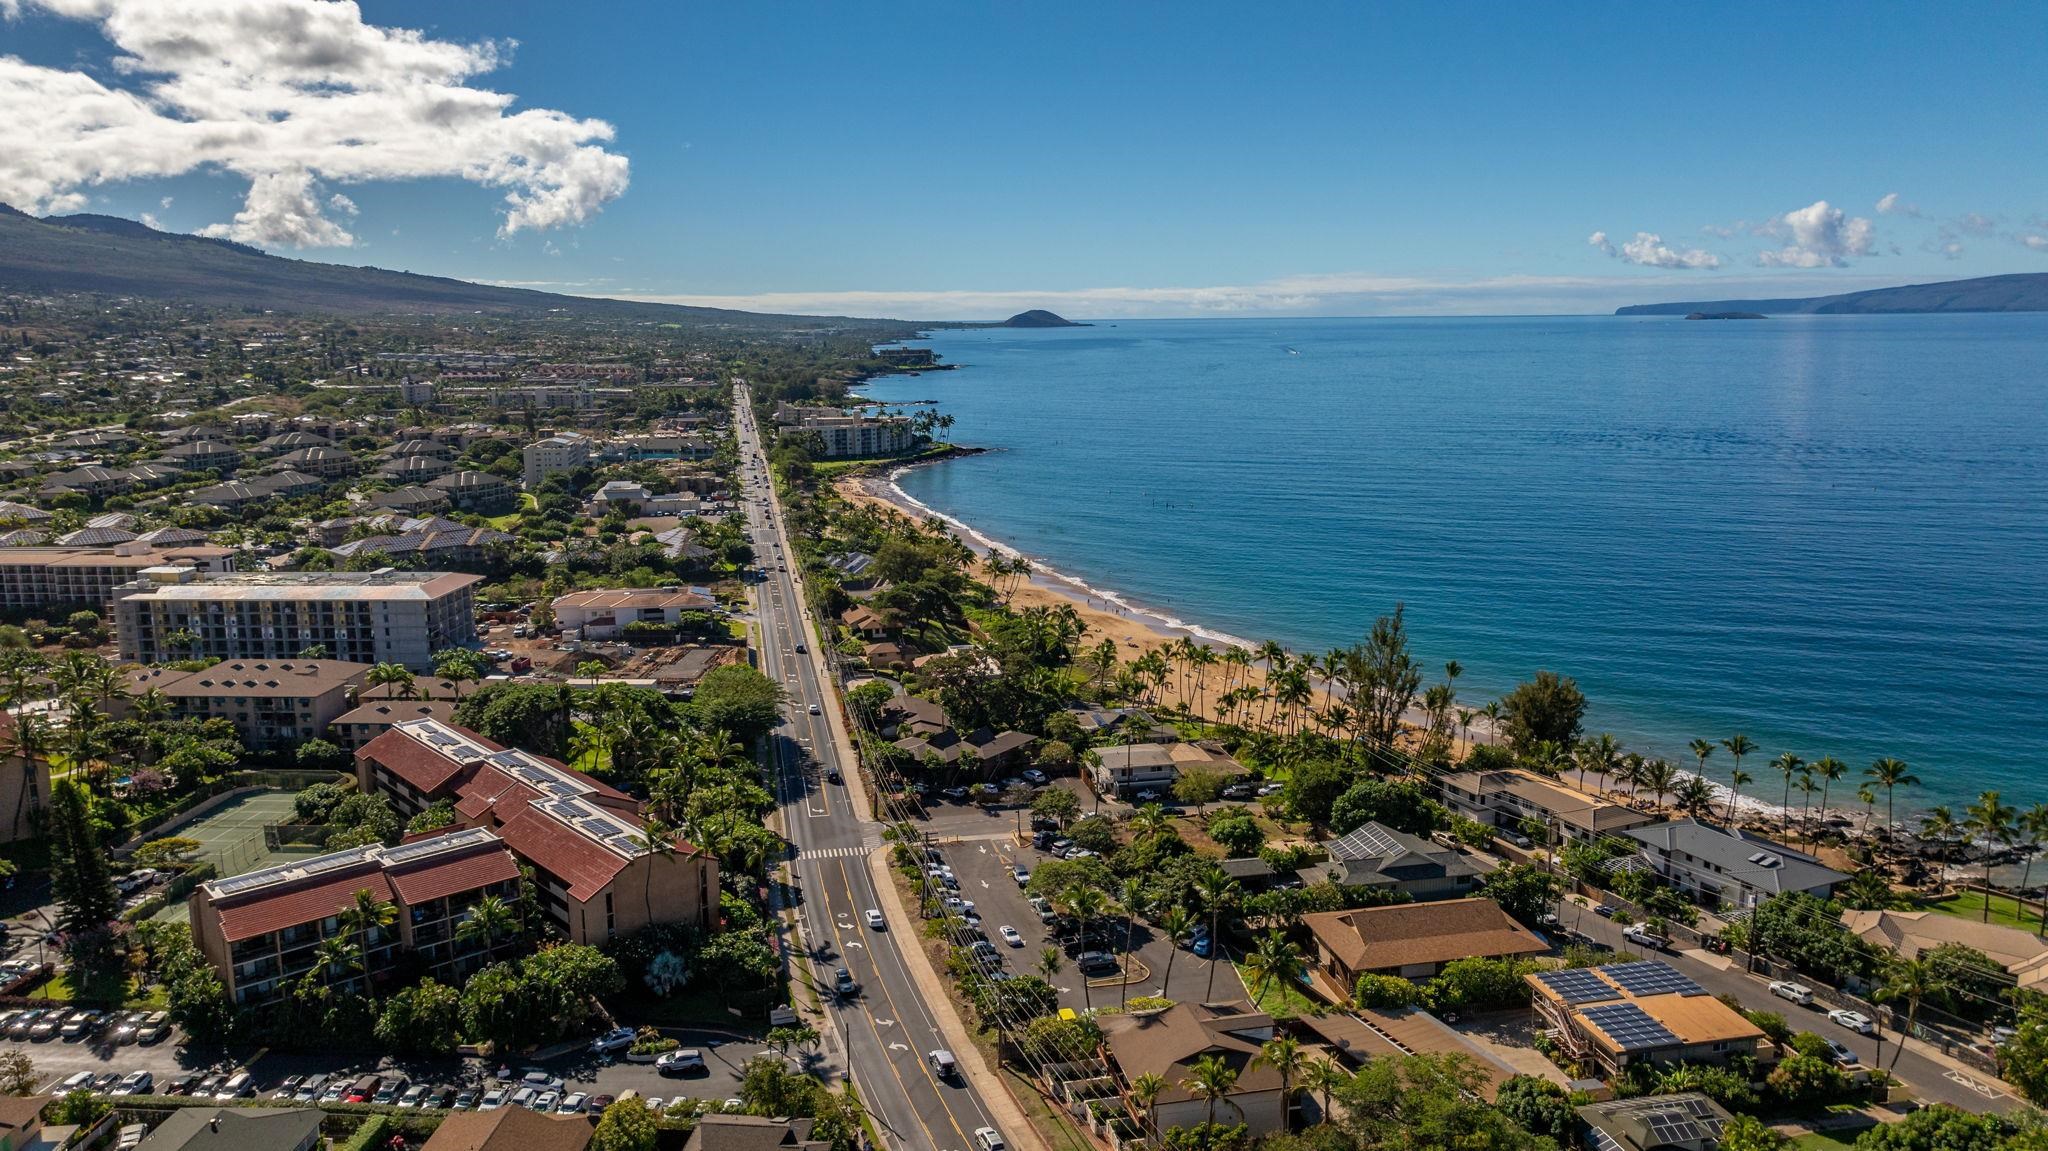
(2015, 292)
(113, 256)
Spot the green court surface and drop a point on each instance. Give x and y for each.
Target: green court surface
(232, 835)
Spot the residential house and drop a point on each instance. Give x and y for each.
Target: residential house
(510, 1129)
(21, 1120)
(1169, 1043)
(23, 538)
(1377, 856)
(364, 617)
(11, 512)
(1507, 798)
(204, 456)
(283, 442)
(595, 873)
(237, 1129)
(261, 930)
(443, 543)
(172, 538)
(1910, 933)
(1414, 940)
(411, 500)
(720, 1132)
(1730, 867)
(634, 499)
(414, 469)
(90, 537)
(24, 786)
(1686, 1121)
(273, 706)
(419, 446)
(1621, 1014)
(327, 463)
(605, 614)
(868, 623)
(1127, 770)
(473, 491)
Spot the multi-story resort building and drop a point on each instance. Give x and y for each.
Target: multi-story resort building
(272, 705)
(401, 617)
(53, 580)
(595, 872)
(262, 930)
(845, 434)
(563, 452)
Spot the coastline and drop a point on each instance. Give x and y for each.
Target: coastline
(1138, 629)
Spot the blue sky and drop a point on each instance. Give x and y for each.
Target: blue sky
(967, 159)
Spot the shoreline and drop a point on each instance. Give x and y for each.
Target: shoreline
(1135, 626)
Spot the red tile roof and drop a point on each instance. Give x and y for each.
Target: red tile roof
(584, 865)
(411, 761)
(492, 793)
(439, 879)
(265, 913)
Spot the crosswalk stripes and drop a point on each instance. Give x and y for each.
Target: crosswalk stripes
(833, 852)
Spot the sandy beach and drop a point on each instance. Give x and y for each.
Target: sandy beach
(1137, 630)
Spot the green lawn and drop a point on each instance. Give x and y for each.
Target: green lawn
(1281, 1000)
(2004, 910)
(1820, 1141)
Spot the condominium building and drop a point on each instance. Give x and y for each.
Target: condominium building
(845, 434)
(363, 617)
(261, 931)
(272, 705)
(562, 452)
(56, 580)
(594, 872)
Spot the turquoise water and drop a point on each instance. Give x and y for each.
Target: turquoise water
(1824, 532)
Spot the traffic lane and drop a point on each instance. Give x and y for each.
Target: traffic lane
(1933, 1082)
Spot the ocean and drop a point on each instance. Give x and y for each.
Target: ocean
(1824, 532)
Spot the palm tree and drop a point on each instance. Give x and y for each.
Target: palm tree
(2033, 823)
(393, 675)
(1145, 1091)
(1992, 822)
(1829, 771)
(1867, 796)
(1912, 980)
(1324, 1077)
(1891, 774)
(659, 840)
(1695, 796)
(1702, 750)
(1086, 904)
(366, 914)
(1283, 1054)
(1049, 963)
(1939, 825)
(1629, 773)
(490, 920)
(1806, 789)
(1275, 961)
(1148, 821)
(1211, 1078)
(1174, 925)
(1738, 745)
(1661, 777)
(1216, 890)
(1788, 765)
(1132, 896)
(1736, 779)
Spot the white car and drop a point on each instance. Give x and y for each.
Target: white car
(1010, 935)
(1854, 1020)
(1034, 776)
(1798, 993)
(617, 1039)
(989, 1139)
(875, 920)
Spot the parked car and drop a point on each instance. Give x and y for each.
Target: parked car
(523, 1097)
(106, 1081)
(183, 1084)
(240, 1085)
(683, 1061)
(77, 1081)
(337, 1090)
(1605, 910)
(1798, 993)
(572, 1103)
(617, 1039)
(127, 1025)
(389, 1091)
(1854, 1020)
(289, 1087)
(1147, 796)
(415, 1095)
(1036, 777)
(545, 1101)
(1022, 875)
(465, 1100)
(1640, 934)
(362, 1090)
(310, 1087)
(135, 1083)
(492, 1100)
(1841, 1054)
(1092, 961)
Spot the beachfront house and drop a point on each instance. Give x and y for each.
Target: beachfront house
(1508, 798)
(1414, 940)
(1377, 856)
(1730, 867)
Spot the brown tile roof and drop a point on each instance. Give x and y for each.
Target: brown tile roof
(390, 711)
(583, 865)
(308, 677)
(751, 1133)
(509, 1129)
(274, 911)
(1168, 1043)
(411, 761)
(439, 879)
(1399, 935)
(19, 1112)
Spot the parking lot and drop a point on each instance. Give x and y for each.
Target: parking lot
(983, 867)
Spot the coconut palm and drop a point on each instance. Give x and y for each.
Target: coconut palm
(1694, 796)
(1788, 765)
(1086, 904)
(1049, 963)
(1738, 745)
(1702, 750)
(1324, 1077)
(1891, 774)
(657, 839)
(1175, 925)
(1806, 789)
(1283, 1054)
(1211, 1079)
(1939, 825)
(1132, 897)
(2033, 829)
(1274, 962)
(1216, 891)
(1145, 1091)
(1829, 771)
(366, 914)
(1736, 779)
(1867, 796)
(1148, 821)
(1992, 822)
(394, 675)
(1912, 980)
(490, 920)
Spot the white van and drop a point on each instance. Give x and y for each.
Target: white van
(943, 1064)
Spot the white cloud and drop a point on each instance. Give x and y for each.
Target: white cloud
(1600, 241)
(288, 94)
(150, 219)
(2037, 242)
(1648, 250)
(1890, 205)
(1819, 236)
(1976, 224)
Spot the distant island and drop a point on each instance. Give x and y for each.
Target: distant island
(1726, 316)
(2021, 292)
(1039, 318)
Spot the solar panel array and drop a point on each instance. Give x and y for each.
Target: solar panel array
(1576, 985)
(1673, 1119)
(1629, 1026)
(1650, 977)
(1370, 841)
(437, 845)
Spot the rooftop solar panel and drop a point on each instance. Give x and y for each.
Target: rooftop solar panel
(1576, 985)
(1629, 1027)
(1650, 977)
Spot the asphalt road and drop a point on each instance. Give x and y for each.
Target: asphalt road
(886, 1027)
(1932, 1081)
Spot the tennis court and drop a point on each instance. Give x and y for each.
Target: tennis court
(232, 835)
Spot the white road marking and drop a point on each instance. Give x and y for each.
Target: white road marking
(880, 1022)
